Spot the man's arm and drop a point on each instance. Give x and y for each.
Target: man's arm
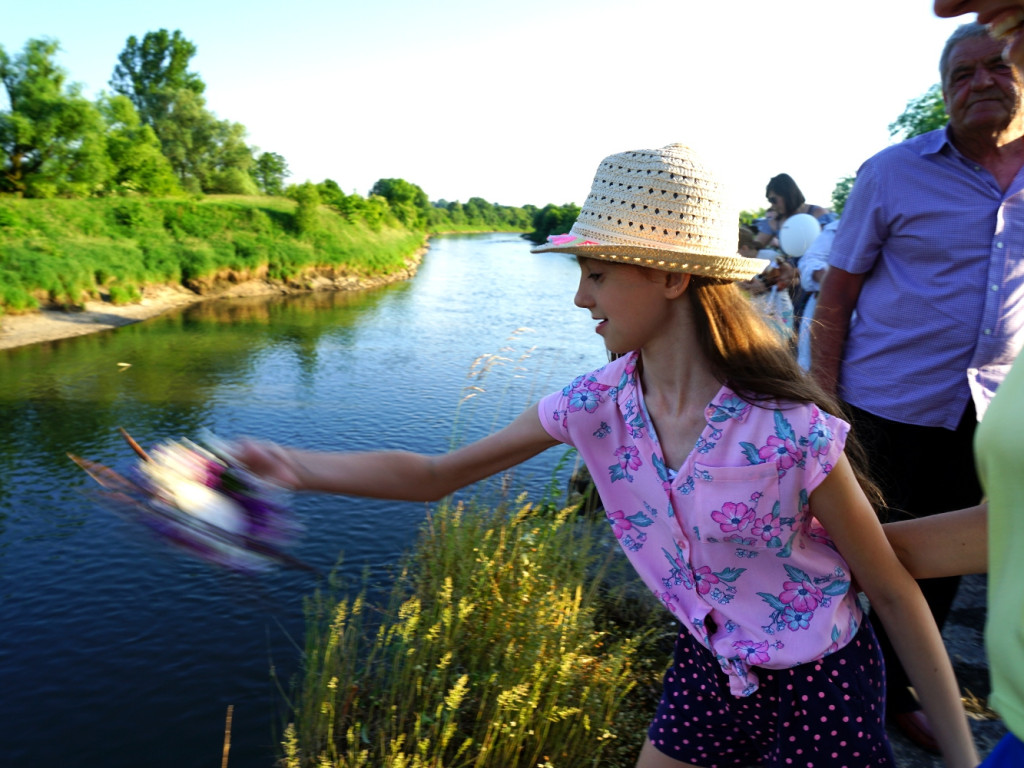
(836, 302)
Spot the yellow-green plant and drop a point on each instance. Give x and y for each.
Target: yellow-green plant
(491, 653)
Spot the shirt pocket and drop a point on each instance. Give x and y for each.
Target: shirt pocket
(739, 506)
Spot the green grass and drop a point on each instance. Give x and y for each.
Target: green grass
(507, 642)
(65, 252)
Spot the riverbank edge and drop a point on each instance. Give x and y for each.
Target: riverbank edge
(48, 324)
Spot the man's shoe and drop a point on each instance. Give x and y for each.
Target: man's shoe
(915, 726)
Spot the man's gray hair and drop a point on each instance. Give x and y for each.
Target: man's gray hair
(963, 32)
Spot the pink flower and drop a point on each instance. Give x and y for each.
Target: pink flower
(629, 457)
(802, 595)
(619, 522)
(783, 451)
(768, 527)
(733, 517)
(705, 579)
(756, 653)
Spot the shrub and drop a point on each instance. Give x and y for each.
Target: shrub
(489, 655)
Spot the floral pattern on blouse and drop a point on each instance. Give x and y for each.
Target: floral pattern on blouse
(726, 541)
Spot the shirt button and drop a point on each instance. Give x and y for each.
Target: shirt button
(988, 331)
(995, 287)
(999, 245)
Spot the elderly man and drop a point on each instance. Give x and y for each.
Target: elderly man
(930, 254)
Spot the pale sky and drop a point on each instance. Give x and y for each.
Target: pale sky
(518, 102)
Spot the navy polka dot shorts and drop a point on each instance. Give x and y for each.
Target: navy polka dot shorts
(823, 714)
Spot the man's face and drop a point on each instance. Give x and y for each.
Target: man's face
(982, 92)
(1005, 19)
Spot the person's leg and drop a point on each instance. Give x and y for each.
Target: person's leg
(698, 719)
(830, 712)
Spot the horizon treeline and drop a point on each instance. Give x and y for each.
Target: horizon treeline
(152, 135)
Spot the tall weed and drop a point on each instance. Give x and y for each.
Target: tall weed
(488, 655)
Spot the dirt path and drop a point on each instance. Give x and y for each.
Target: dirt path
(964, 637)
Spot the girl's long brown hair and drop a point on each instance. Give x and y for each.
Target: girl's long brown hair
(748, 356)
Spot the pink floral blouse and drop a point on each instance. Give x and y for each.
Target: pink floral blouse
(726, 541)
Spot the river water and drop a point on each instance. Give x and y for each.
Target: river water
(115, 651)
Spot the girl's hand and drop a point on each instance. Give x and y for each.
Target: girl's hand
(271, 461)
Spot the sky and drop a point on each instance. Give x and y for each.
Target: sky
(517, 103)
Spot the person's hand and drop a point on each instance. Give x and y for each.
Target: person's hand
(754, 287)
(270, 461)
(786, 275)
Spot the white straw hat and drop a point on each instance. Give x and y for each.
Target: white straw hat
(659, 208)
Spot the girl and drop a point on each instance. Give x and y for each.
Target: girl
(725, 482)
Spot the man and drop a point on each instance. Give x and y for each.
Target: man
(930, 254)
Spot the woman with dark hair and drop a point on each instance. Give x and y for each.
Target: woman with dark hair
(784, 200)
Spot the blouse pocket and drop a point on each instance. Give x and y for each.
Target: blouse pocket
(738, 506)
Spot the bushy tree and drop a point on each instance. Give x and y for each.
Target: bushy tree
(270, 171)
(925, 113)
(153, 71)
(457, 213)
(51, 139)
(553, 220)
(207, 154)
(307, 214)
(841, 193)
(407, 201)
(134, 150)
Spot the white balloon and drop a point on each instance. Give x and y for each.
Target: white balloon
(797, 233)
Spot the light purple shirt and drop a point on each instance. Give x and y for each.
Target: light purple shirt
(940, 318)
(726, 541)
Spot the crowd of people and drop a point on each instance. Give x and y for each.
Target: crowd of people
(753, 486)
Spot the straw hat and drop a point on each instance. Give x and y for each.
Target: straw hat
(659, 208)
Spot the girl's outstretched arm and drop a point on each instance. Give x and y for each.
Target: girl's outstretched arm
(947, 544)
(841, 506)
(400, 475)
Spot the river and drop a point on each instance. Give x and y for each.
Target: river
(118, 652)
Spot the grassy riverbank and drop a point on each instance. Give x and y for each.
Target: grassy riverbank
(509, 641)
(66, 252)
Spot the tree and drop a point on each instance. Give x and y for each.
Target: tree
(747, 218)
(925, 113)
(841, 194)
(270, 171)
(152, 71)
(207, 154)
(307, 214)
(134, 150)
(553, 220)
(51, 139)
(407, 201)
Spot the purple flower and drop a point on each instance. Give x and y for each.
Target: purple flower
(584, 400)
(796, 619)
(820, 438)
